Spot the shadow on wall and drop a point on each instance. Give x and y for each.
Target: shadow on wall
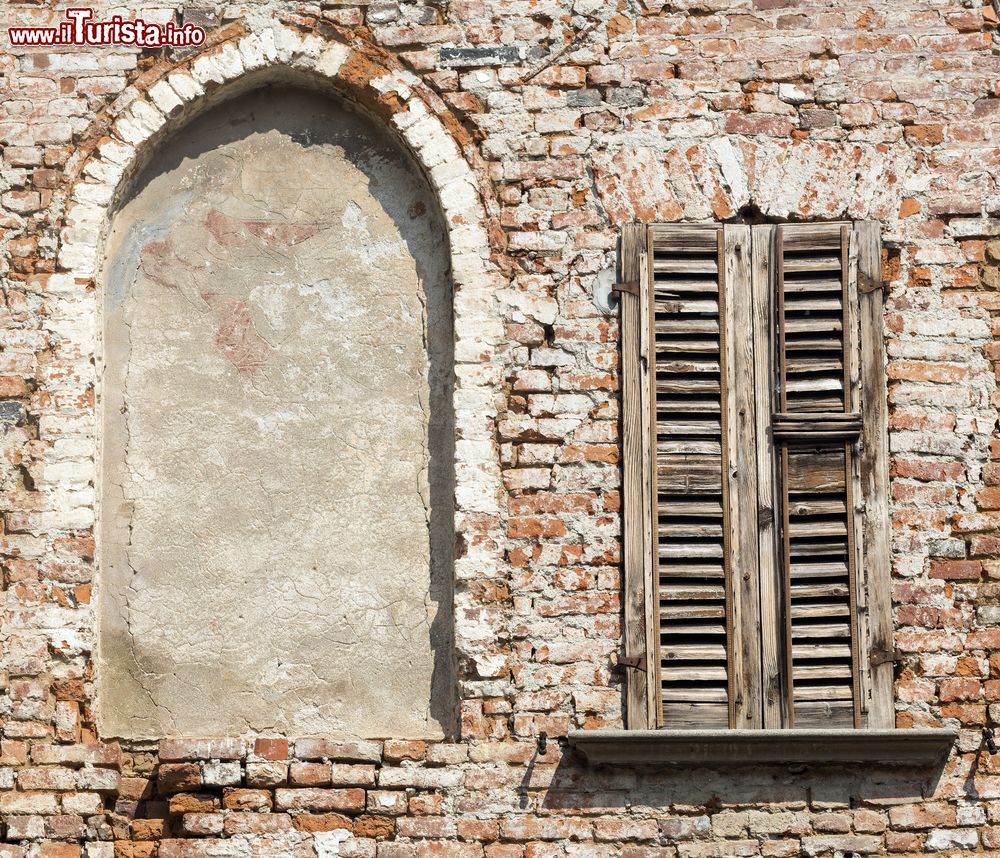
(277, 513)
(573, 784)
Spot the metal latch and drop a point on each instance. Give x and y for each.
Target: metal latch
(620, 662)
(881, 656)
(867, 283)
(630, 286)
(990, 739)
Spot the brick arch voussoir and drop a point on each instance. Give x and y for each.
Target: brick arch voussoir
(165, 97)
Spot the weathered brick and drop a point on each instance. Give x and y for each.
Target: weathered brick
(91, 754)
(257, 823)
(544, 828)
(266, 774)
(183, 802)
(202, 749)
(309, 774)
(202, 824)
(246, 799)
(350, 800)
(271, 749)
(178, 777)
(315, 749)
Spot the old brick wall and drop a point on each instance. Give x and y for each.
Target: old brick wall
(543, 126)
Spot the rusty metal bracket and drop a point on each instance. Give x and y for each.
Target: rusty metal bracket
(881, 656)
(620, 662)
(867, 283)
(989, 738)
(630, 286)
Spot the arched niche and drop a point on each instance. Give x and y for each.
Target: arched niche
(277, 457)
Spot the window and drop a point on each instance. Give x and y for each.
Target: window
(755, 477)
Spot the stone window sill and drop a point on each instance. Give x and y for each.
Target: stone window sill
(914, 747)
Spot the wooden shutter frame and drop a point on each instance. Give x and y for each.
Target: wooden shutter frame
(741, 463)
(774, 699)
(757, 699)
(641, 640)
(875, 581)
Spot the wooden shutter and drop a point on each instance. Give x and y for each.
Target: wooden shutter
(705, 517)
(816, 426)
(756, 579)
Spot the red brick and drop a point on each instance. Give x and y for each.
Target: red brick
(271, 749)
(202, 824)
(624, 829)
(984, 545)
(257, 823)
(350, 800)
(91, 754)
(917, 816)
(347, 774)
(520, 528)
(956, 570)
(57, 850)
(434, 827)
(544, 828)
(395, 751)
(309, 774)
(178, 777)
(478, 829)
(202, 749)
(193, 803)
(361, 752)
(959, 689)
(246, 799)
(375, 827)
(321, 822)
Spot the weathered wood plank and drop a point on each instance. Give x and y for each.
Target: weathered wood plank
(652, 556)
(762, 289)
(802, 264)
(813, 236)
(853, 518)
(637, 527)
(874, 479)
(813, 472)
(741, 475)
(685, 265)
(681, 238)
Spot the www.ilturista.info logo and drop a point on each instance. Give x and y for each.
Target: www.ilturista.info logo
(80, 30)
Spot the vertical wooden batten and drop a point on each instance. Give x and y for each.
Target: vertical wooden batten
(772, 610)
(741, 475)
(636, 502)
(876, 621)
(647, 303)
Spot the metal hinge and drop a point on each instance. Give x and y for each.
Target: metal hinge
(881, 656)
(630, 286)
(867, 283)
(620, 662)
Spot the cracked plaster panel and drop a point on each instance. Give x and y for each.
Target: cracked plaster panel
(276, 525)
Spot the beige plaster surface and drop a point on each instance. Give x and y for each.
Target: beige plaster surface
(276, 533)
